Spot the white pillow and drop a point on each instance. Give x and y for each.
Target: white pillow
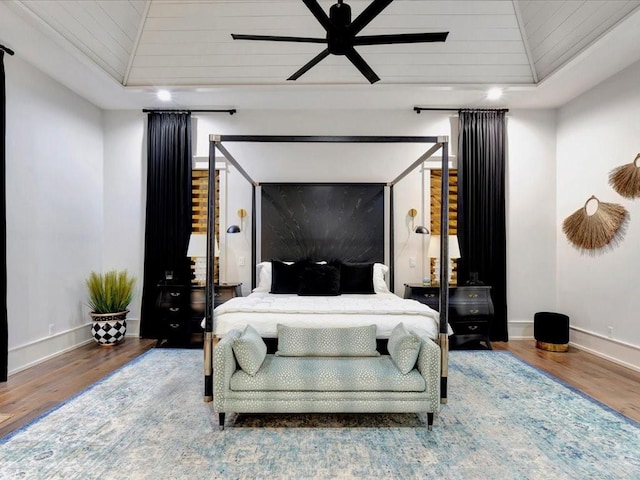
(263, 274)
(379, 284)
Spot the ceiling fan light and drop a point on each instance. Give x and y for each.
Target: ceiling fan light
(494, 93)
(164, 95)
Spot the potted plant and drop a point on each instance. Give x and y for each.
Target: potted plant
(110, 294)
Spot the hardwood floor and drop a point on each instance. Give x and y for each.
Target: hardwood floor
(610, 383)
(32, 392)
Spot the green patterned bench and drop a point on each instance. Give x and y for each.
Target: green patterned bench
(326, 370)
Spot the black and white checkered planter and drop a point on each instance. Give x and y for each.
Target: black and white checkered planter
(109, 328)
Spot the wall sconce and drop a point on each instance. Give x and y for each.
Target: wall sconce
(419, 229)
(198, 249)
(235, 228)
(433, 251)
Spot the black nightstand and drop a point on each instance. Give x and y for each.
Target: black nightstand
(470, 310)
(226, 291)
(172, 307)
(181, 308)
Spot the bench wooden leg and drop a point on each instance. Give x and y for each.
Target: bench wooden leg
(221, 420)
(430, 420)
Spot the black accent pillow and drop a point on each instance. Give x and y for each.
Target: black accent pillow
(285, 278)
(320, 280)
(356, 278)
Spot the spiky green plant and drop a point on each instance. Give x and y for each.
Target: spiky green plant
(110, 292)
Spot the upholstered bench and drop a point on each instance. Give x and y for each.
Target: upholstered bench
(326, 370)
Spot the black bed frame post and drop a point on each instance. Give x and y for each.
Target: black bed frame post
(253, 236)
(211, 225)
(392, 256)
(444, 270)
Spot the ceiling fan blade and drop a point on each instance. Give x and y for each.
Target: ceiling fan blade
(319, 13)
(271, 38)
(312, 63)
(401, 38)
(367, 15)
(361, 65)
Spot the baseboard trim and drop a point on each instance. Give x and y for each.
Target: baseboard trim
(133, 327)
(520, 329)
(616, 351)
(30, 354)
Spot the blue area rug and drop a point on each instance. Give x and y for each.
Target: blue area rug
(504, 420)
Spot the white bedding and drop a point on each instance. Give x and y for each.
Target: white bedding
(264, 311)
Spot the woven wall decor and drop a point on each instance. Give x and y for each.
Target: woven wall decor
(626, 179)
(604, 227)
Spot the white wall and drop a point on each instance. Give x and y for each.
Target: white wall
(597, 132)
(531, 221)
(125, 187)
(54, 213)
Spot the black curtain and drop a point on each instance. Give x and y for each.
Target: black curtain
(168, 216)
(4, 323)
(481, 207)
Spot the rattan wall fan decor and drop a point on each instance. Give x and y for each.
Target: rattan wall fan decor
(592, 232)
(626, 179)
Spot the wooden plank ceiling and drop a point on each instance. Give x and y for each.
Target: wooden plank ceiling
(188, 42)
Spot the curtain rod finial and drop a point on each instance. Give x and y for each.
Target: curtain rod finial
(6, 49)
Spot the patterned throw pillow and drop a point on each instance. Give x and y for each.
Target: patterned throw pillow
(250, 350)
(327, 342)
(404, 348)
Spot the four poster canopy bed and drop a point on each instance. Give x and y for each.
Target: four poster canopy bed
(321, 273)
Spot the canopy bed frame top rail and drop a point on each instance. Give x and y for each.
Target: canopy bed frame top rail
(215, 141)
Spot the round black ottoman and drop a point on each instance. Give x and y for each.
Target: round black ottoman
(551, 331)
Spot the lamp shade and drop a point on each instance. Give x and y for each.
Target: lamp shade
(433, 251)
(198, 246)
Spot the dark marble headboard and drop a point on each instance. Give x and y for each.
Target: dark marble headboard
(322, 222)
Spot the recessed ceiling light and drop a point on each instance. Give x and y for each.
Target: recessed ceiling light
(164, 95)
(494, 93)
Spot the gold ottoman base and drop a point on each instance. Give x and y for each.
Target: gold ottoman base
(552, 347)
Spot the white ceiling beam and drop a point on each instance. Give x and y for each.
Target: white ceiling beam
(136, 43)
(525, 40)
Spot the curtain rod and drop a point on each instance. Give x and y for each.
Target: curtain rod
(429, 109)
(6, 49)
(230, 111)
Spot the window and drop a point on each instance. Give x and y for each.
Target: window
(199, 200)
(436, 205)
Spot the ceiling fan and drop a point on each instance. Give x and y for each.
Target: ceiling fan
(342, 35)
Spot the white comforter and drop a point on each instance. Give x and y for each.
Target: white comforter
(264, 311)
